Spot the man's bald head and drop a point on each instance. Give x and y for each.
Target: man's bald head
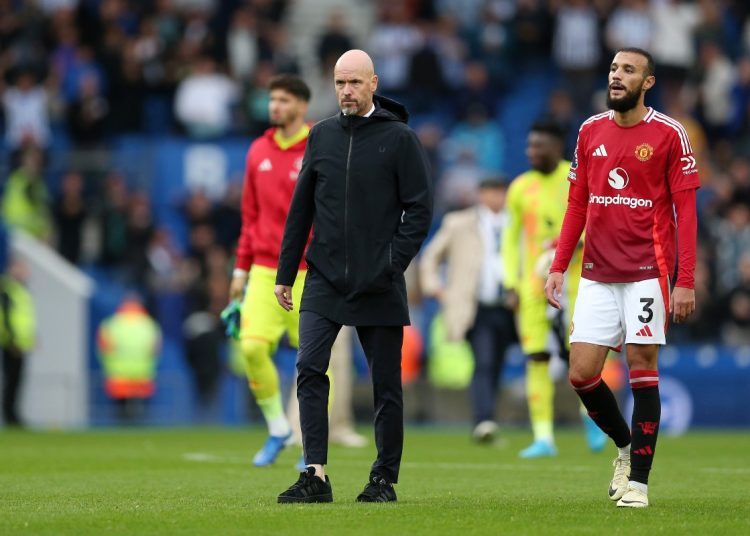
(355, 80)
(355, 61)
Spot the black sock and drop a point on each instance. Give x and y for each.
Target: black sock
(602, 408)
(646, 416)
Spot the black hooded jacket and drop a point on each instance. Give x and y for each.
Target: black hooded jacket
(365, 189)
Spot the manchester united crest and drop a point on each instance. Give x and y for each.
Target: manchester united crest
(644, 151)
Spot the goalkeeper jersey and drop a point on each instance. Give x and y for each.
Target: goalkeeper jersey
(536, 207)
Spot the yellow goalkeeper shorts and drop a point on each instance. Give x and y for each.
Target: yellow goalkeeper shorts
(262, 317)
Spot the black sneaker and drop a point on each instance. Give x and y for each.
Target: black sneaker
(378, 489)
(308, 489)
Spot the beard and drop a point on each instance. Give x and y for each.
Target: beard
(350, 108)
(626, 103)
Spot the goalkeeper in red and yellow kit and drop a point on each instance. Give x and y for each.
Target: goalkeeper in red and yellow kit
(272, 165)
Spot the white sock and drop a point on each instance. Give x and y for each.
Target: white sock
(640, 486)
(279, 426)
(623, 452)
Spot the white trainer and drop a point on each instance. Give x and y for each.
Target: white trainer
(485, 432)
(618, 486)
(634, 498)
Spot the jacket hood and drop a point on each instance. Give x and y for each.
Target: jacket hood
(389, 108)
(385, 108)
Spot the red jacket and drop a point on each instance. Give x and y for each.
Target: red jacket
(270, 177)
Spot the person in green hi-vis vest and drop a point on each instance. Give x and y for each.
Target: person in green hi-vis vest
(25, 200)
(129, 342)
(17, 335)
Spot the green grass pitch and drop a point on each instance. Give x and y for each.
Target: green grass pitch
(200, 481)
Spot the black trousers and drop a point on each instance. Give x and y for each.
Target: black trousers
(490, 336)
(13, 362)
(382, 346)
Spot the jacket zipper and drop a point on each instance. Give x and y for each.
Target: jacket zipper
(346, 208)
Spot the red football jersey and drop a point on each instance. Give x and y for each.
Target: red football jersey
(270, 178)
(630, 175)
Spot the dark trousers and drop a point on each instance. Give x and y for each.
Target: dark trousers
(490, 336)
(382, 346)
(13, 362)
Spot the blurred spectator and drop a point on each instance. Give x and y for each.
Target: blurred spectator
(716, 83)
(479, 135)
(426, 81)
(476, 91)
(25, 105)
(204, 337)
(242, 45)
(70, 212)
(741, 97)
(736, 303)
(114, 220)
(495, 45)
(87, 115)
(672, 46)
(25, 203)
(17, 335)
(458, 185)
(560, 110)
(452, 51)
(471, 299)
(227, 218)
(731, 236)
(533, 27)
(392, 43)
(126, 87)
(630, 25)
(281, 55)
(73, 71)
(256, 100)
(466, 12)
(140, 229)
(165, 271)
(334, 41)
(204, 100)
(576, 49)
(128, 344)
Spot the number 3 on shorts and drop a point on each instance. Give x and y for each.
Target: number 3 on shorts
(649, 312)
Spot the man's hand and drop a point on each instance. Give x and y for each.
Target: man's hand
(284, 296)
(553, 289)
(682, 303)
(511, 299)
(237, 287)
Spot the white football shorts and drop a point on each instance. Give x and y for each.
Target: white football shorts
(610, 314)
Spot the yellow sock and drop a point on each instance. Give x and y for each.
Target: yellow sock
(263, 379)
(273, 411)
(540, 392)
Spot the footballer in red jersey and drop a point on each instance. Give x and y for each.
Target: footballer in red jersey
(632, 188)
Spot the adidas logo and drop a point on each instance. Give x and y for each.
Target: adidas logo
(600, 151)
(265, 165)
(645, 451)
(645, 332)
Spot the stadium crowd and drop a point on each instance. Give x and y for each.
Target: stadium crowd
(89, 71)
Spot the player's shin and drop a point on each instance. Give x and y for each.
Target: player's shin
(646, 417)
(602, 408)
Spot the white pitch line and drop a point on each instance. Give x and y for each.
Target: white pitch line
(727, 470)
(206, 457)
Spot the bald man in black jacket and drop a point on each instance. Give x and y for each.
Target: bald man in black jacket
(365, 190)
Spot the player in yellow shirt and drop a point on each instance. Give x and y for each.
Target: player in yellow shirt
(536, 207)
